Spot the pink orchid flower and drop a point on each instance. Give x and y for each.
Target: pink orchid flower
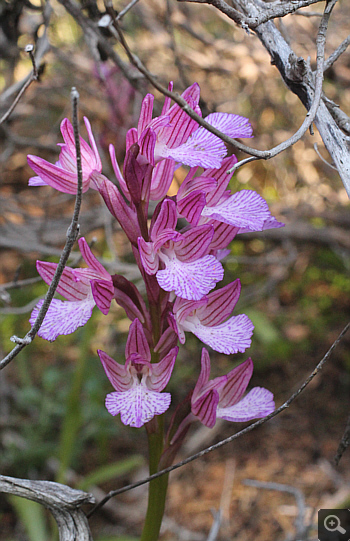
(205, 198)
(138, 383)
(206, 319)
(63, 175)
(180, 261)
(174, 135)
(223, 398)
(83, 289)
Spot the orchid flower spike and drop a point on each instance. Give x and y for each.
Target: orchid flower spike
(180, 261)
(205, 319)
(138, 384)
(63, 174)
(83, 289)
(222, 397)
(174, 135)
(205, 197)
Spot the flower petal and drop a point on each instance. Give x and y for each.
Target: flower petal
(137, 342)
(256, 404)
(194, 243)
(56, 177)
(232, 125)
(244, 209)
(62, 317)
(68, 286)
(205, 408)
(138, 405)
(191, 280)
(236, 384)
(220, 305)
(161, 372)
(161, 179)
(91, 260)
(145, 114)
(202, 149)
(230, 337)
(115, 372)
(149, 257)
(103, 293)
(270, 223)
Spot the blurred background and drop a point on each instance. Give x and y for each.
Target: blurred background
(295, 280)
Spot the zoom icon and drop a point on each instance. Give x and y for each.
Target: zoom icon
(334, 525)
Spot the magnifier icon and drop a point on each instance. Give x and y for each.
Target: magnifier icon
(332, 524)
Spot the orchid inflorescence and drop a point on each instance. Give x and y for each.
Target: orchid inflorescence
(180, 268)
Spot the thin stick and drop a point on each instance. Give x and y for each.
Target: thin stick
(33, 77)
(249, 428)
(71, 236)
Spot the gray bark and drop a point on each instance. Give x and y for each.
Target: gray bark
(63, 502)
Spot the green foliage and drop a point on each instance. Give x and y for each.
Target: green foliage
(32, 517)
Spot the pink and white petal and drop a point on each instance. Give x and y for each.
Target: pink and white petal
(62, 317)
(117, 172)
(91, 260)
(162, 178)
(98, 164)
(131, 138)
(88, 158)
(165, 236)
(68, 287)
(138, 405)
(223, 234)
(37, 181)
(149, 258)
(191, 280)
(147, 144)
(203, 183)
(166, 219)
(161, 372)
(67, 160)
(120, 210)
(56, 177)
(184, 309)
(236, 384)
(103, 293)
(202, 149)
(244, 209)
(230, 337)
(166, 342)
(205, 408)
(181, 124)
(256, 404)
(221, 254)
(191, 206)
(270, 223)
(194, 243)
(145, 114)
(115, 372)
(220, 305)
(203, 376)
(232, 125)
(137, 342)
(222, 179)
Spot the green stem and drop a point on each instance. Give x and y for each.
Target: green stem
(158, 487)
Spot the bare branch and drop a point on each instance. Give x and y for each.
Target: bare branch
(344, 443)
(33, 77)
(71, 237)
(249, 428)
(336, 54)
(298, 495)
(63, 502)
